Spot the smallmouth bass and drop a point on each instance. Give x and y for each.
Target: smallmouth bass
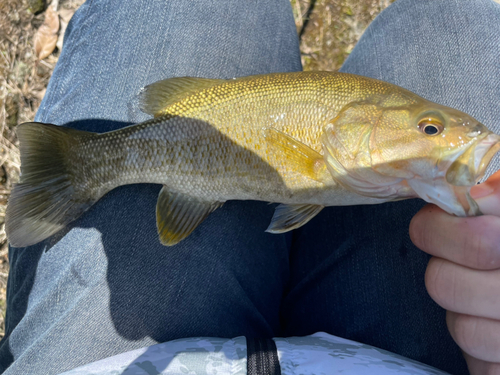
(306, 140)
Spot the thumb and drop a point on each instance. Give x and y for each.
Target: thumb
(487, 195)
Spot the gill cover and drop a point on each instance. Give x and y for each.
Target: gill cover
(393, 152)
(346, 144)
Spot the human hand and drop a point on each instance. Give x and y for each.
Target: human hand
(464, 275)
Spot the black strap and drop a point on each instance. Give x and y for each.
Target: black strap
(262, 357)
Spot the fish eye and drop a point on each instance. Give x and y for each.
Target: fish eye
(430, 126)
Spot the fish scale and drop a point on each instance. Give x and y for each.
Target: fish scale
(243, 129)
(306, 140)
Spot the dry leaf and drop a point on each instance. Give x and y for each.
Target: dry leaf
(64, 16)
(46, 35)
(39, 94)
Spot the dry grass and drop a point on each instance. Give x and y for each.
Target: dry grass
(329, 30)
(17, 104)
(23, 81)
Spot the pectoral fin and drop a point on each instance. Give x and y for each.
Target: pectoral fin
(298, 156)
(155, 97)
(292, 216)
(177, 215)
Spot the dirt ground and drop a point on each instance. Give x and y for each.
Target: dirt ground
(328, 31)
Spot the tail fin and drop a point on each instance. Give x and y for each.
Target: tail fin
(46, 198)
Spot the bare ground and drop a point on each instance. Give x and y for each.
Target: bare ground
(328, 31)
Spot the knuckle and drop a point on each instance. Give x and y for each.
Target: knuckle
(437, 284)
(464, 332)
(483, 244)
(476, 336)
(485, 252)
(415, 230)
(490, 369)
(489, 246)
(480, 367)
(420, 233)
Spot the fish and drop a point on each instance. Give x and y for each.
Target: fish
(304, 140)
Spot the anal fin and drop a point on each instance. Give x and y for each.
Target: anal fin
(292, 216)
(177, 215)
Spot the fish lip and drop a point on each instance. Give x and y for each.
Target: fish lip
(467, 167)
(470, 164)
(484, 152)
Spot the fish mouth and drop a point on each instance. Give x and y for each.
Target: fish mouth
(483, 154)
(469, 168)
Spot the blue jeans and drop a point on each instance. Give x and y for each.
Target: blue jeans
(105, 285)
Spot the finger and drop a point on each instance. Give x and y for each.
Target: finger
(487, 195)
(478, 337)
(480, 367)
(470, 241)
(462, 289)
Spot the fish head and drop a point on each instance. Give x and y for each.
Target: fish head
(419, 149)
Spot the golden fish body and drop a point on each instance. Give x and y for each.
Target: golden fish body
(222, 133)
(306, 140)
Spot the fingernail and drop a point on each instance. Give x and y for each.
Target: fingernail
(481, 190)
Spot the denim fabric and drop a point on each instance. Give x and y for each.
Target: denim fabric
(354, 271)
(105, 285)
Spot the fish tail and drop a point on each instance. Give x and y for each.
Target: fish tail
(47, 197)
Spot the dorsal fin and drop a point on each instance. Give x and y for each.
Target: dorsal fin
(155, 97)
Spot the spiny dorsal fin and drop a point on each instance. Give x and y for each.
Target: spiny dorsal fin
(299, 156)
(155, 97)
(177, 215)
(292, 216)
